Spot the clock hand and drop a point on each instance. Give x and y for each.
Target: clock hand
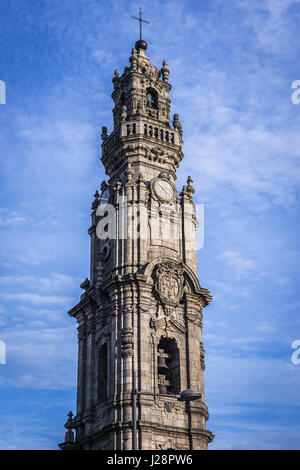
(163, 188)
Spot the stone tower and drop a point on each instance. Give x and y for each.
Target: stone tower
(140, 317)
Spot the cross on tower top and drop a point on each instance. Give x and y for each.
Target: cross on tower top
(140, 19)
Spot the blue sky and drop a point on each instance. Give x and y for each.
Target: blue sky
(232, 65)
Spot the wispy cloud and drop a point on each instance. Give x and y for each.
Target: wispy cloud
(36, 298)
(265, 327)
(54, 283)
(241, 266)
(40, 358)
(273, 23)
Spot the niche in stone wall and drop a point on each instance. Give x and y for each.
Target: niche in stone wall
(102, 373)
(168, 366)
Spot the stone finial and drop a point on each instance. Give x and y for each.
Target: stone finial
(70, 424)
(184, 192)
(85, 285)
(133, 59)
(129, 173)
(124, 112)
(190, 189)
(104, 133)
(165, 71)
(118, 185)
(177, 124)
(95, 201)
(116, 80)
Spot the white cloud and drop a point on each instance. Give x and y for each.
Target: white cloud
(271, 24)
(36, 298)
(28, 257)
(240, 265)
(14, 436)
(55, 282)
(251, 380)
(11, 218)
(257, 167)
(43, 358)
(239, 435)
(57, 150)
(265, 327)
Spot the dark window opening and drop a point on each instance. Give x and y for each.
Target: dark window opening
(122, 99)
(168, 366)
(102, 373)
(152, 98)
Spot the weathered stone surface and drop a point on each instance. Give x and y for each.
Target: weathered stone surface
(140, 317)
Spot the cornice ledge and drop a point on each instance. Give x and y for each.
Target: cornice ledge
(84, 303)
(205, 294)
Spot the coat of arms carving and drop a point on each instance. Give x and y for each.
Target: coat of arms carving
(169, 282)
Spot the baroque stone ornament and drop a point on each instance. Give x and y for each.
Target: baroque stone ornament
(139, 316)
(169, 282)
(169, 406)
(170, 445)
(127, 342)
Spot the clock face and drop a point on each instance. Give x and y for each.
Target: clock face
(164, 190)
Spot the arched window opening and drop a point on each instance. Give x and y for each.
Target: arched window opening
(168, 366)
(152, 98)
(102, 373)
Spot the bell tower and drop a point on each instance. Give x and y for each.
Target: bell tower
(140, 316)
